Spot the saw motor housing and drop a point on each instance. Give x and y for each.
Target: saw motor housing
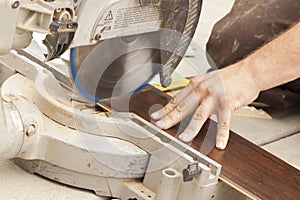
(77, 23)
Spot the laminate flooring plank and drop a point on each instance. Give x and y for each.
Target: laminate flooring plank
(245, 166)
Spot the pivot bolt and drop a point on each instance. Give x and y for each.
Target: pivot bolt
(15, 4)
(30, 130)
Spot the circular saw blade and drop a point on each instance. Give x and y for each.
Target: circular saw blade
(115, 67)
(121, 65)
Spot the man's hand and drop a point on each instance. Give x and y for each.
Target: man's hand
(226, 90)
(219, 92)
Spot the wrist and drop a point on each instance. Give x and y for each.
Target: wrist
(250, 74)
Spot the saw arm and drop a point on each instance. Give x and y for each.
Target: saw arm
(70, 23)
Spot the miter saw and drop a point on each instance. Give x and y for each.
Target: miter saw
(49, 124)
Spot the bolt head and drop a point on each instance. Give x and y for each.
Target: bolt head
(98, 37)
(31, 130)
(70, 26)
(15, 4)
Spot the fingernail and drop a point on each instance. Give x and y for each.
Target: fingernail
(221, 145)
(160, 124)
(185, 137)
(154, 115)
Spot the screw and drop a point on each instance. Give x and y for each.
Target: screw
(31, 130)
(70, 26)
(98, 36)
(15, 4)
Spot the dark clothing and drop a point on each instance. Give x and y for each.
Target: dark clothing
(249, 25)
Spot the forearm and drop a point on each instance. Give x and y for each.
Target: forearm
(276, 63)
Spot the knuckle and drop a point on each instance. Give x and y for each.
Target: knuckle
(200, 116)
(202, 86)
(223, 136)
(170, 106)
(224, 125)
(236, 105)
(221, 97)
(174, 101)
(179, 108)
(195, 81)
(221, 102)
(201, 91)
(167, 109)
(174, 118)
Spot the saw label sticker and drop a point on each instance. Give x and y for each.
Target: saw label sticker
(119, 20)
(125, 17)
(109, 16)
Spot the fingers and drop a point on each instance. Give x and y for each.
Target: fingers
(191, 88)
(197, 94)
(182, 110)
(181, 105)
(224, 118)
(174, 102)
(197, 121)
